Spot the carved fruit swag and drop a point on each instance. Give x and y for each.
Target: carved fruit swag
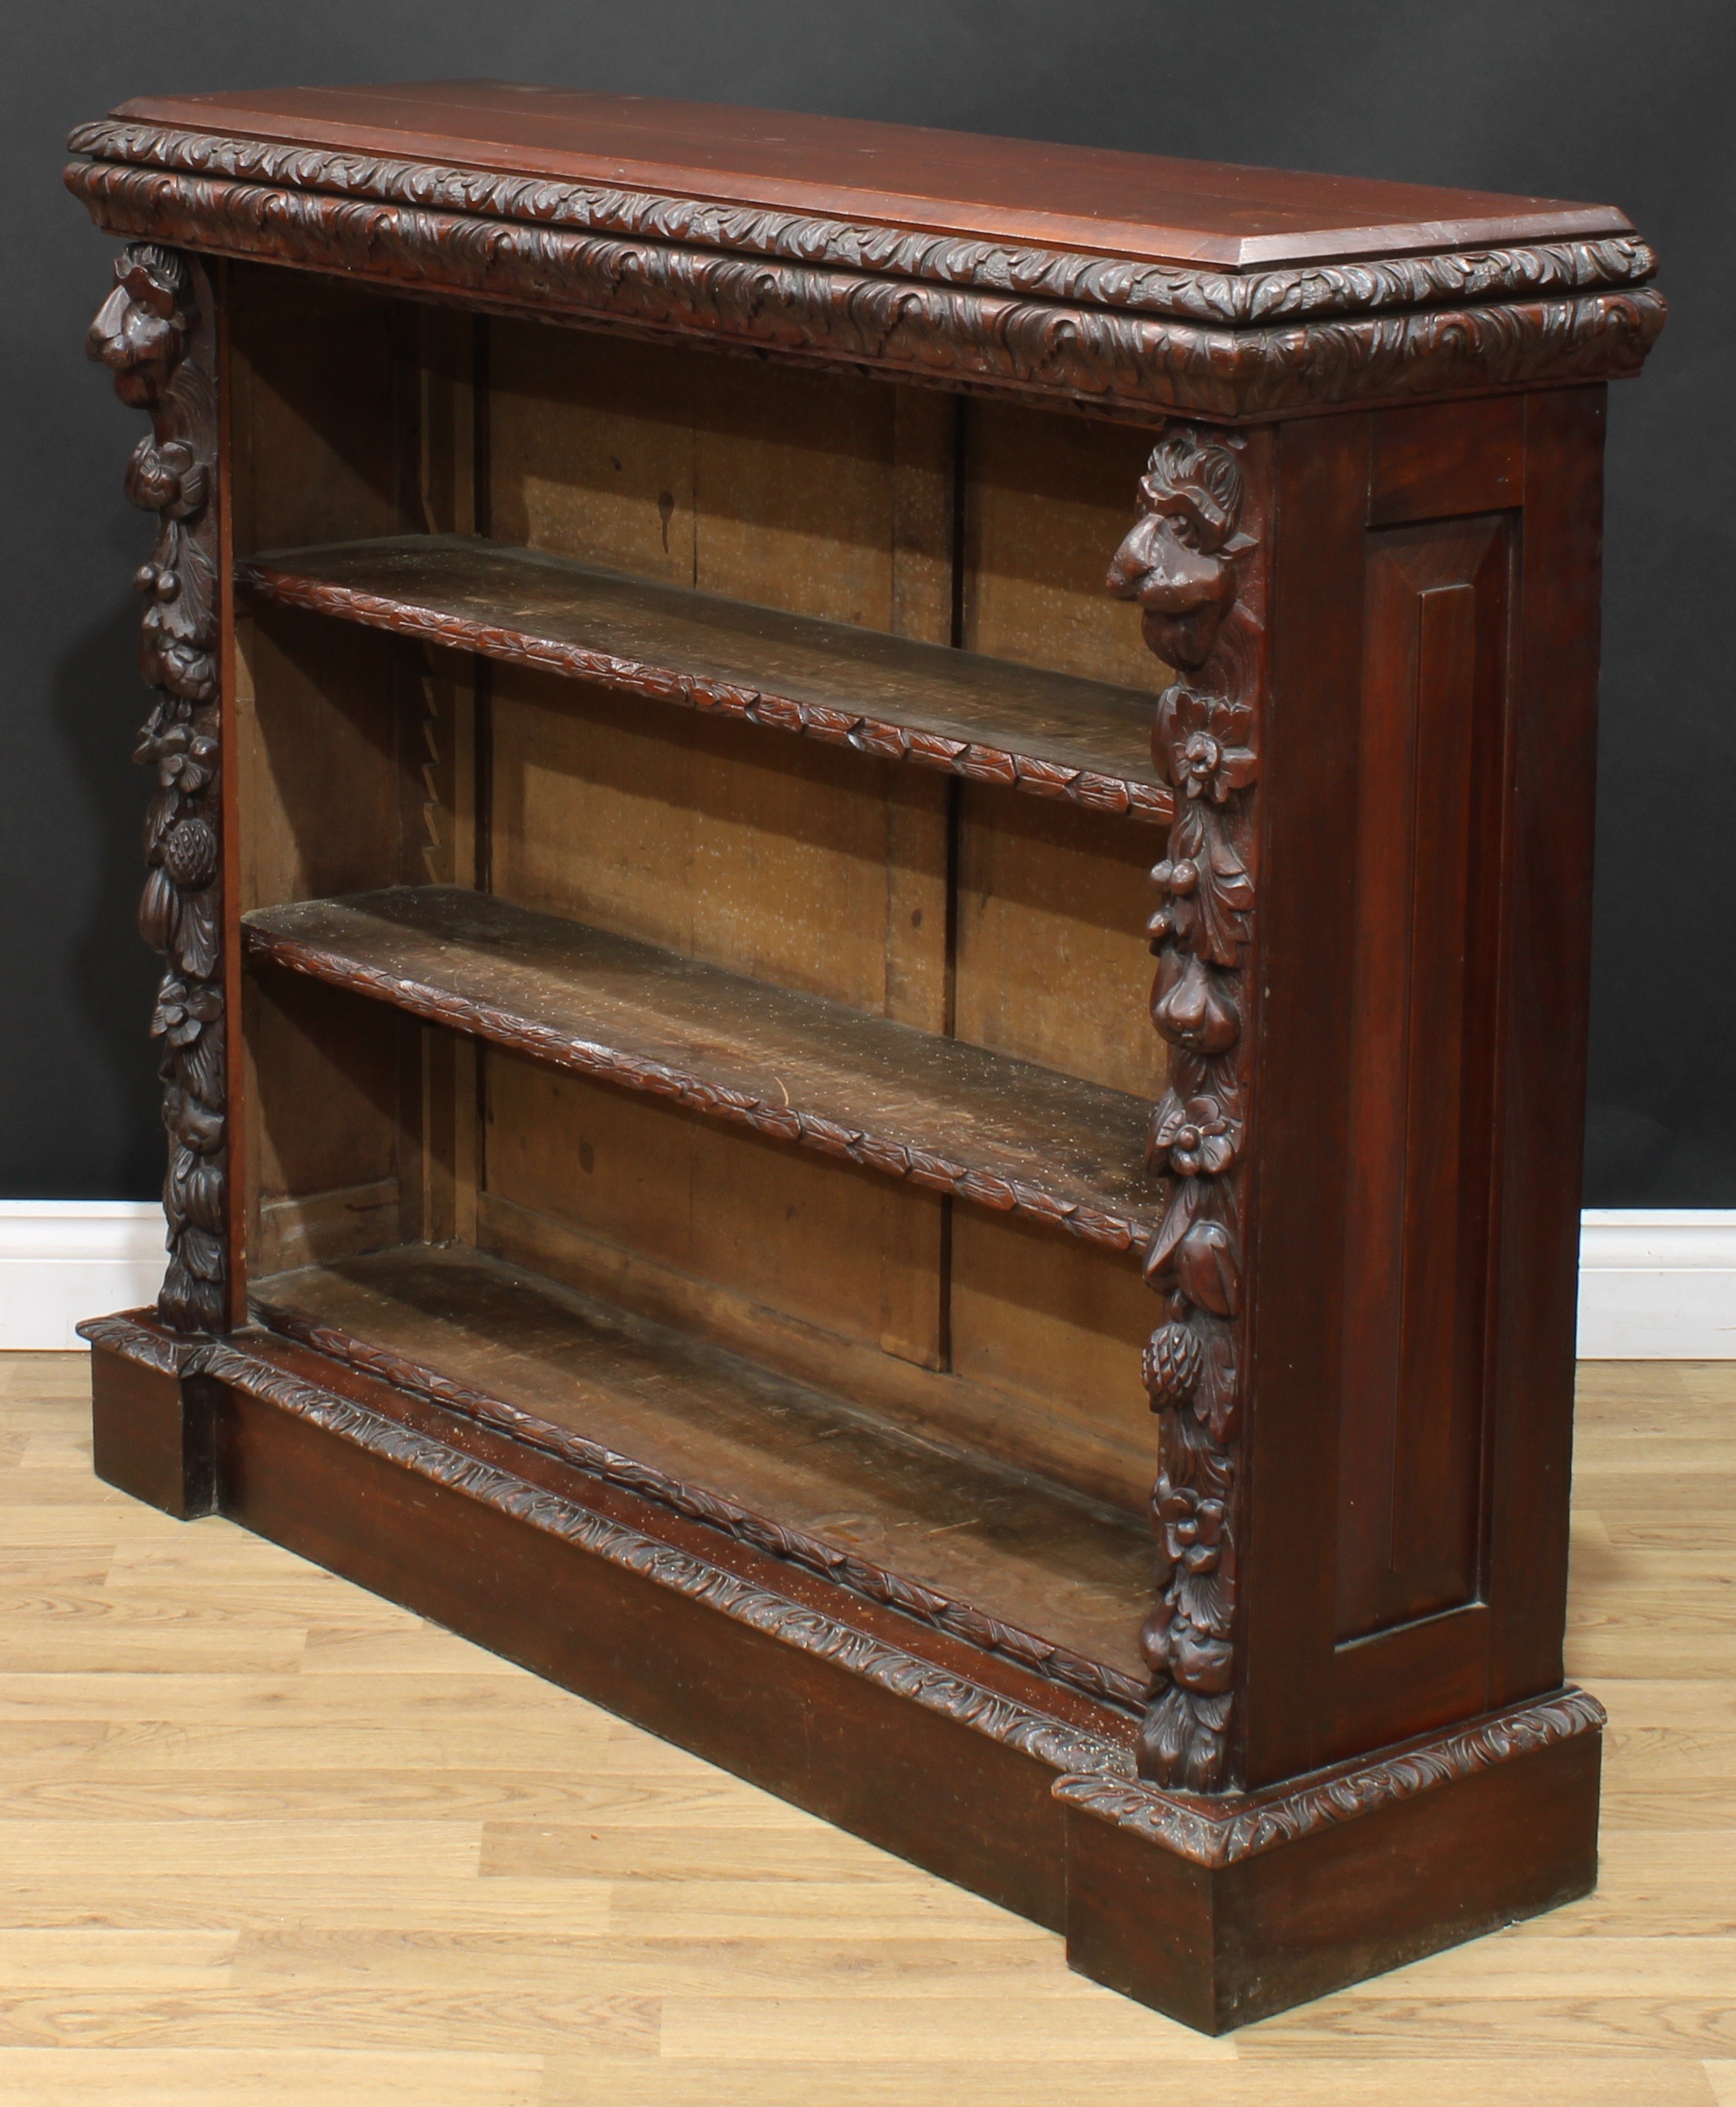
(154, 336)
(1186, 564)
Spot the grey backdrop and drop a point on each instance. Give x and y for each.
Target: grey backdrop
(1573, 98)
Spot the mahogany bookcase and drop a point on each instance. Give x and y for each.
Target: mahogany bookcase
(693, 652)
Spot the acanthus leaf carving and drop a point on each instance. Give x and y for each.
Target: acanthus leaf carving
(155, 333)
(1194, 563)
(1027, 321)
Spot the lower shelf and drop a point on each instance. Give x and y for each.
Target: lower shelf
(1004, 1559)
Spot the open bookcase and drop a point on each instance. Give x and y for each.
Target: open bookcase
(672, 1171)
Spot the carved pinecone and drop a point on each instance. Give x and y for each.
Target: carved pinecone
(190, 853)
(1172, 1365)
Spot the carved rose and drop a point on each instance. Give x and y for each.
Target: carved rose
(170, 479)
(171, 662)
(1198, 1135)
(182, 1013)
(141, 329)
(1171, 1365)
(1178, 561)
(185, 761)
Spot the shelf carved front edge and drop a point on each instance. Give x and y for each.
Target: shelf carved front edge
(1195, 562)
(156, 334)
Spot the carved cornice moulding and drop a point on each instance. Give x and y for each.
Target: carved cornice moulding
(1233, 300)
(1098, 328)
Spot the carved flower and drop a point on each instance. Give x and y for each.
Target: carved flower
(171, 662)
(1188, 1636)
(182, 1013)
(185, 761)
(1198, 1135)
(168, 479)
(1204, 740)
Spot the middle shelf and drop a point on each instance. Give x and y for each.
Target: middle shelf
(945, 1114)
(1053, 735)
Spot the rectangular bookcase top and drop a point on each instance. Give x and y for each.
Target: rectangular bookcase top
(1093, 199)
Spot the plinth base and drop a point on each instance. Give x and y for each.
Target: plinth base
(1217, 1912)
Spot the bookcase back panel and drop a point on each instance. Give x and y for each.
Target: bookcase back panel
(317, 751)
(825, 494)
(1051, 964)
(825, 1244)
(1048, 498)
(318, 411)
(321, 1187)
(812, 868)
(885, 1294)
(1059, 1324)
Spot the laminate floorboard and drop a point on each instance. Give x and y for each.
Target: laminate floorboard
(264, 1838)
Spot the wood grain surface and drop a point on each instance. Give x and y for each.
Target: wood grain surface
(948, 1115)
(1138, 205)
(1048, 733)
(708, 1431)
(269, 1839)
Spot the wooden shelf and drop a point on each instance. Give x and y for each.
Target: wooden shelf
(1003, 1559)
(945, 1114)
(1046, 733)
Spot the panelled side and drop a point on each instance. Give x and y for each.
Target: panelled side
(1413, 851)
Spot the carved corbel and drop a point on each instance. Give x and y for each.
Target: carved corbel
(1194, 568)
(155, 333)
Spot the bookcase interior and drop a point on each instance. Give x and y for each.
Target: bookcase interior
(742, 1214)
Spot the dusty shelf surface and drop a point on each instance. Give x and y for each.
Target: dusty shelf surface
(945, 1114)
(841, 1484)
(1052, 733)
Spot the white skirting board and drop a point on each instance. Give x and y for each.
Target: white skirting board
(63, 1260)
(1658, 1284)
(1654, 1284)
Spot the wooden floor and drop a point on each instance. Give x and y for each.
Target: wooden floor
(266, 1839)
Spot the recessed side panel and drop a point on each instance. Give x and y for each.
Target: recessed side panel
(1425, 867)
(1423, 1054)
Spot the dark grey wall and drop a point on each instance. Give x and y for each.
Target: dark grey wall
(1571, 98)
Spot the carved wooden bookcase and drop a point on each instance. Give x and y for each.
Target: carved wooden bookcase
(692, 655)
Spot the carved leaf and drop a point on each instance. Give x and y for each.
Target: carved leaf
(1208, 1269)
